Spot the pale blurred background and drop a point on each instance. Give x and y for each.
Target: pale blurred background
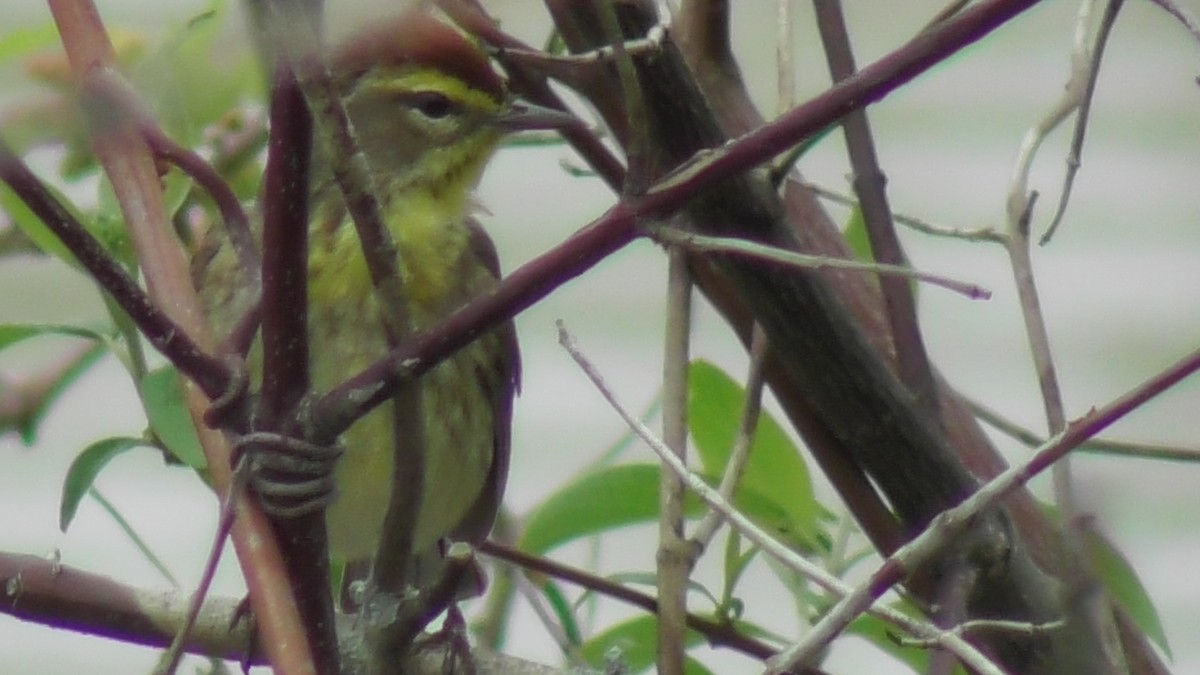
(1120, 287)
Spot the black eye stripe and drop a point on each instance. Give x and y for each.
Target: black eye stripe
(431, 104)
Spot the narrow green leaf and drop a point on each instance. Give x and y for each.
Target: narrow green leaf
(565, 611)
(860, 243)
(776, 481)
(11, 334)
(737, 561)
(598, 501)
(162, 397)
(83, 471)
(856, 235)
(142, 546)
(1122, 581)
(650, 579)
(32, 422)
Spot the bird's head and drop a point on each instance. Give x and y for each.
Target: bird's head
(425, 102)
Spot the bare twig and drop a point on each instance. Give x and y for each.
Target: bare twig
(918, 224)
(979, 625)
(785, 64)
(1171, 453)
(169, 661)
(675, 554)
(1092, 74)
(1182, 15)
(1018, 206)
(545, 615)
(912, 358)
(747, 426)
(706, 243)
(1095, 618)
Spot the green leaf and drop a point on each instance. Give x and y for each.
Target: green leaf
(1123, 583)
(22, 42)
(856, 235)
(162, 397)
(189, 81)
(600, 500)
(32, 422)
(83, 471)
(33, 227)
(634, 643)
(775, 487)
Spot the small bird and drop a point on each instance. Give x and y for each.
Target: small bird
(429, 112)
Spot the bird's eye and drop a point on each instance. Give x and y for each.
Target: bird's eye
(431, 104)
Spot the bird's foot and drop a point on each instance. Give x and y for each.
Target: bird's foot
(291, 476)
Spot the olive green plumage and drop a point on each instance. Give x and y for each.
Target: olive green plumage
(429, 113)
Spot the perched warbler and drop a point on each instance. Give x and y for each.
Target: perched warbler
(429, 112)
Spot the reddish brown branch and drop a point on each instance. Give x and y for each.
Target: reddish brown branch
(124, 154)
(869, 185)
(52, 594)
(717, 633)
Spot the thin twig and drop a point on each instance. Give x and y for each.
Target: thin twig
(1092, 74)
(169, 661)
(710, 244)
(918, 224)
(1095, 618)
(912, 358)
(638, 158)
(1174, 9)
(675, 554)
(1018, 193)
(740, 454)
(980, 625)
(137, 540)
(785, 64)
(1171, 453)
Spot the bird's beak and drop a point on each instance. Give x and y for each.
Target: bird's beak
(525, 116)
